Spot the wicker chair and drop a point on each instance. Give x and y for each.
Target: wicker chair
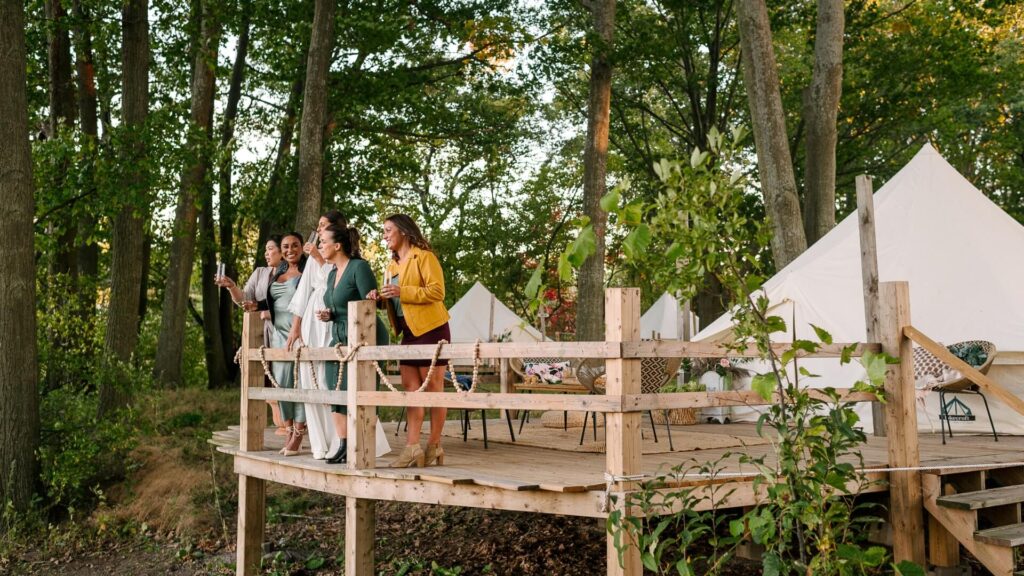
(532, 382)
(654, 374)
(930, 373)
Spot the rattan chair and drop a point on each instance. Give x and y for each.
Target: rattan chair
(930, 373)
(654, 374)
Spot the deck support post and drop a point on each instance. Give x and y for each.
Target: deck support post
(906, 506)
(361, 513)
(251, 491)
(622, 324)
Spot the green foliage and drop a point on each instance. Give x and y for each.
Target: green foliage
(810, 520)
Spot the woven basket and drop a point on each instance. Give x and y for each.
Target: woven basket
(677, 416)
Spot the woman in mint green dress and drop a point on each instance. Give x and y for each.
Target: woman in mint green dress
(351, 280)
(279, 296)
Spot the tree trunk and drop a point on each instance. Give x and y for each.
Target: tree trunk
(311, 138)
(227, 215)
(271, 220)
(127, 234)
(171, 341)
(88, 250)
(821, 105)
(590, 295)
(19, 395)
(62, 115)
(774, 164)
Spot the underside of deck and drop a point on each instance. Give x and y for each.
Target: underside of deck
(546, 470)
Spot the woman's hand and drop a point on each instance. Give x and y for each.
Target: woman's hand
(224, 282)
(292, 339)
(311, 249)
(265, 315)
(373, 296)
(389, 291)
(324, 315)
(249, 306)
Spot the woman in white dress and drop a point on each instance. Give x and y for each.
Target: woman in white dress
(309, 297)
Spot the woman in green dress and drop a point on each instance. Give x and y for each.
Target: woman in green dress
(352, 279)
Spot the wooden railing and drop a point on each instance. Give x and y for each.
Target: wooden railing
(623, 404)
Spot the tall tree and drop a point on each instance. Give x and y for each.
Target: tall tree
(821, 105)
(19, 396)
(774, 162)
(62, 116)
(167, 368)
(590, 300)
(314, 106)
(127, 234)
(225, 201)
(88, 114)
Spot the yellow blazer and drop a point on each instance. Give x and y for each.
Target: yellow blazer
(421, 286)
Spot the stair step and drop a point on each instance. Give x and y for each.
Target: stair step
(983, 498)
(1009, 536)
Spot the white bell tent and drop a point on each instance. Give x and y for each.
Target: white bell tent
(960, 254)
(479, 315)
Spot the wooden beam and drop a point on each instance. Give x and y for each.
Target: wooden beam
(869, 276)
(605, 350)
(622, 430)
(905, 508)
(587, 504)
(360, 513)
(670, 400)
(943, 548)
(253, 420)
(475, 401)
(970, 372)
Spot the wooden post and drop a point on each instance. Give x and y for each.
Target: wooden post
(251, 491)
(906, 512)
(360, 513)
(622, 433)
(869, 275)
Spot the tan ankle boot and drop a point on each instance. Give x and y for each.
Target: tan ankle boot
(410, 456)
(434, 455)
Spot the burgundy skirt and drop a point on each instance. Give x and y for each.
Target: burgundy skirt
(434, 336)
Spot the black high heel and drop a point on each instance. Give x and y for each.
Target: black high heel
(341, 456)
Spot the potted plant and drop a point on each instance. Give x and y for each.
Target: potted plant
(679, 416)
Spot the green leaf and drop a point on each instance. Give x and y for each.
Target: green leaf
(533, 286)
(584, 245)
(771, 565)
(610, 201)
(824, 336)
(847, 353)
(764, 385)
(875, 366)
(908, 568)
(637, 241)
(564, 267)
(315, 562)
(632, 214)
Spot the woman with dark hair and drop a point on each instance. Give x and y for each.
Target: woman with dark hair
(251, 296)
(282, 287)
(414, 288)
(308, 298)
(350, 278)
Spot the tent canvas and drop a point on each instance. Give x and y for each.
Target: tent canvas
(958, 251)
(479, 315)
(663, 319)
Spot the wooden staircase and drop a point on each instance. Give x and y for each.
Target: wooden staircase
(979, 510)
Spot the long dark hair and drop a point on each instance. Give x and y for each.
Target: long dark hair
(407, 226)
(348, 237)
(283, 266)
(336, 217)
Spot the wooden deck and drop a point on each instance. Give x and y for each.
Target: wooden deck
(574, 478)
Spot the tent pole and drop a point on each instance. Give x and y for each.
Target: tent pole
(869, 274)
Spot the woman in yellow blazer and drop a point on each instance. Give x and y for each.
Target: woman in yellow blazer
(414, 287)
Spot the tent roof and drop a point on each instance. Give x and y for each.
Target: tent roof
(955, 247)
(471, 319)
(661, 318)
